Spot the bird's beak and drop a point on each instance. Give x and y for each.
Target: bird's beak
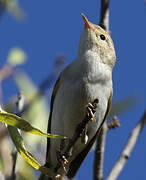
(86, 22)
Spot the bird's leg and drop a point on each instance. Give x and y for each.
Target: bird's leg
(80, 131)
(91, 109)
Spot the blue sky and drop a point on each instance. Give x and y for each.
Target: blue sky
(53, 28)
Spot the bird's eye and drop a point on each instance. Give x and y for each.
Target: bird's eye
(102, 37)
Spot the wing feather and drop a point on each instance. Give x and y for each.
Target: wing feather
(55, 90)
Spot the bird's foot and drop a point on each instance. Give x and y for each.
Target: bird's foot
(91, 109)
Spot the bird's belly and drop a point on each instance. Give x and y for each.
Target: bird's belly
(70, 112)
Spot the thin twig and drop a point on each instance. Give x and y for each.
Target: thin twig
(19, 107)
(119, 165)
(64, 156)
(80, 128)
(101, 140)
(99, 153)
(104, 15)
(14, 159)
(114, 123)
(5, 72)
(45, 84)
(90, 110)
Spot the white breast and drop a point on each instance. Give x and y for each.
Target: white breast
(79, 86)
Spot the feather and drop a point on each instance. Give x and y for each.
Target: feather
(76, 163)
(55, 90)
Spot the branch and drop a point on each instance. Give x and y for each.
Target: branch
(90, 110)
(14, 159)
(114, 123)
(104, 15)
(45, 84)
(63, 156)
(81, 126)
(101, 140)
(119, 165)
(19, 107)
(99, 153)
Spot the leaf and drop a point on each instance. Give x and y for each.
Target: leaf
(16, 56)
(29, 158)
(16, 121)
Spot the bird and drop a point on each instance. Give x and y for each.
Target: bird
(87, 78)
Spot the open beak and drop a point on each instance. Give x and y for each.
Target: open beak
(86, 22)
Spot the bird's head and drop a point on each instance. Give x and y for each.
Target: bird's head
(97, 40)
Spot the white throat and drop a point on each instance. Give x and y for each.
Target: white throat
(93, 67)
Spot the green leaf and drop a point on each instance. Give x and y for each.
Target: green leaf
(16, 121)
(20, 146)
(16, 56)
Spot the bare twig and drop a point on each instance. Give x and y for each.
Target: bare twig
(79, 129)
(104, 15)
(114, 123)
(5, 72)
(2, 7)
(119, 165)
(63, 156)
(19, 107)
(101, 140)
(5, 156)
(99, 154)
(3, 132)
(100, 147)
(45, 84)
(14, 159)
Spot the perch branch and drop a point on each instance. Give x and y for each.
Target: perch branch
(80, 128)
(63, 156)
(90, 110)
(99, 153)
(101, 141)
(119, 165)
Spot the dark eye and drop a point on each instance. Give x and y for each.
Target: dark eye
(102, 37)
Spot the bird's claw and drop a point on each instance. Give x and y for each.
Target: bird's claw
(91, 109)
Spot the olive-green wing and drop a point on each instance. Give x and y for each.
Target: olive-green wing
(55, 90)
(76, 163)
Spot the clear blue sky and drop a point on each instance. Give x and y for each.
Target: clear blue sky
(53, 28)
